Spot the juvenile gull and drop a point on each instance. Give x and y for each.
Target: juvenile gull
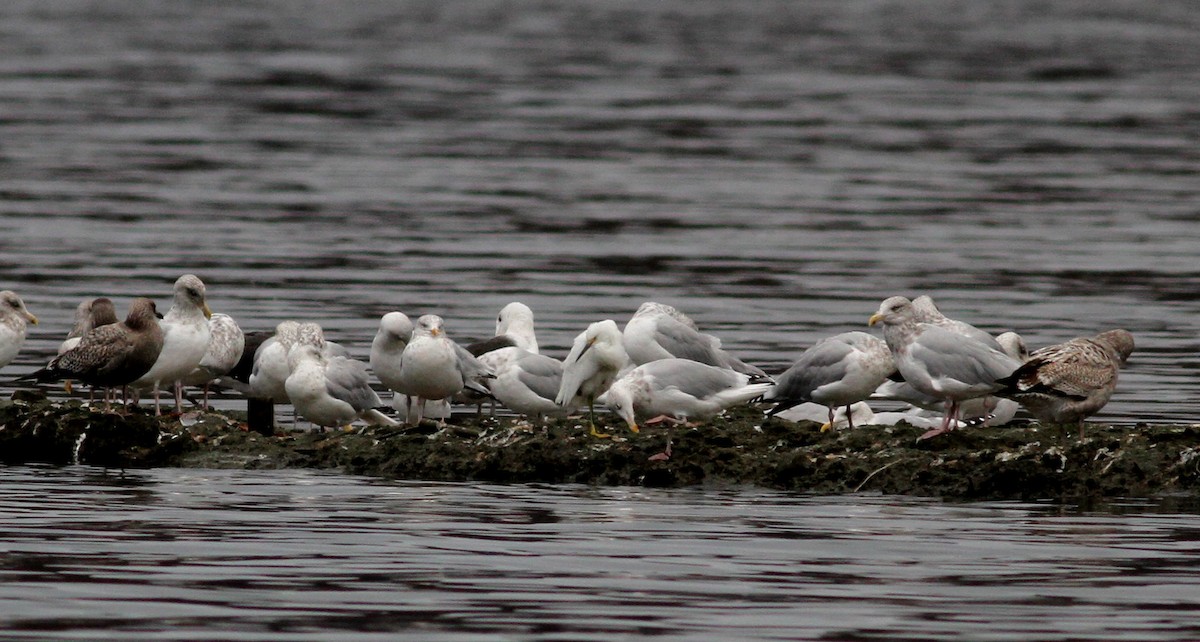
(938, 362)
(89, 314)
(1069, 382)
(185, 340)
(681, 389)
(659, 331)
(434, 367)
(331, 391)
(13, 318)
(835, 371)
(528, 384)
(591, 367)
(225, 345)
(111, 355)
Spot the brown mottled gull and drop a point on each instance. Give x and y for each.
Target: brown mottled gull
(1069, 382)
(111, 355)
(949, 366)
(89, 314)
(835, 372)
(13, 317)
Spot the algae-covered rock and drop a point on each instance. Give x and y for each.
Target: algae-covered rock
(1021, 461)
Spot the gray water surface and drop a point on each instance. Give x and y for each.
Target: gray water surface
(774, 169)
(299, 555)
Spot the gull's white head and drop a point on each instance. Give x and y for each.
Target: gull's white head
(429, 325)
(893, 311)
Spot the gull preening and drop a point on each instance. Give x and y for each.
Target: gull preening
(681, 389)
(1069, 382)
(596, 357)
(835, 372)
(271, 370)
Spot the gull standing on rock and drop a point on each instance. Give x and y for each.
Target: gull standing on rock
(596, 358)
(387, 353)
(836, 371)
(434, 367)
(111, 355)
(681, 389)
(185, 340)
(514, 337)
(331, 391)
(1069, 382)
(659, 331)
(225, 345)
(13, 318)
(938, 362)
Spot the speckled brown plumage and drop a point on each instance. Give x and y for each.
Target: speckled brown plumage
(1069, 382)
(111, 355)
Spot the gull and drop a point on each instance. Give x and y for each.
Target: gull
(89, 314)
(591, 367)
(331, 390)
(185, 340)
(271, 370)
(938, 362)
(514, 336)
(528, 384)
(681, 389)
(659, 331)
(981, 411)
(860, 413)
(13, 318)
(387, 352)
(835, 371)
(926, 311)
(112, 355)
(434, 367)
(225, 346)
(1069, 382)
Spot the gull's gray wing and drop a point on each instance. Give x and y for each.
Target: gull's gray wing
(347, 380)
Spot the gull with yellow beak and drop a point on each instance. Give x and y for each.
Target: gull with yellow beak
(938, 362)
(13, 318)
(596, 358)
(434, 367)
(185, 340)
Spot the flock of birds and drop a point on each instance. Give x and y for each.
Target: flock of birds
(659, 367)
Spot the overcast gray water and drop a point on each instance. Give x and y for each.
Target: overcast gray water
(298, 555)
(773, 168)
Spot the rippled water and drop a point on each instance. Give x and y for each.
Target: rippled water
(295, 555)
(775, 169)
